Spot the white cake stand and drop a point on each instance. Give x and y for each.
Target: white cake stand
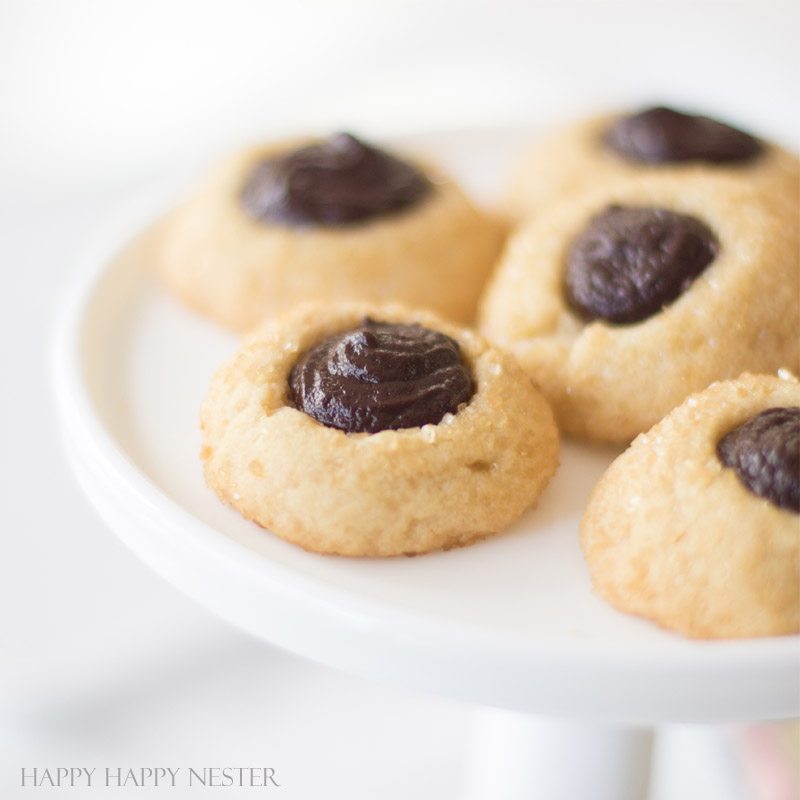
(569, 686)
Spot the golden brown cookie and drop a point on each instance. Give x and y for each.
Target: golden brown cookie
(653, 142)
(611, 373)
(326, 220)
(673, 534)
(483, 461)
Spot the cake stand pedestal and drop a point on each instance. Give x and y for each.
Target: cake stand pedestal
(523, 757)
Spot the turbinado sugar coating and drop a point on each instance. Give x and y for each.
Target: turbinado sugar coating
(398, 491)
(671, 534)
(664, 136)
(629, 263)
(336, 182)
(610, 380)
(381, 376)
(765, 454)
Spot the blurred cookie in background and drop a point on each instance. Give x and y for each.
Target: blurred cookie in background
(327, 220)
(652, 142)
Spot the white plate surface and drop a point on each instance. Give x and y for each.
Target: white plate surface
(510, 622)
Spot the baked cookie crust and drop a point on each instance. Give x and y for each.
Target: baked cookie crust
(610, 382)
(671, 534)
(389, 493)
(437, 254)
(573, 159)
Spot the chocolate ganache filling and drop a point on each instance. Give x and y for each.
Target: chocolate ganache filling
(336, 182)
(381, 376)
(662, 136)
(629, 263)
(765, 454)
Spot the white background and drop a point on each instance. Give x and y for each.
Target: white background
(102, 663)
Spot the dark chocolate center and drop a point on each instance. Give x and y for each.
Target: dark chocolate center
(765, 454)
(339, 181)
(629, 263)
(381, 377)
(662, 136)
